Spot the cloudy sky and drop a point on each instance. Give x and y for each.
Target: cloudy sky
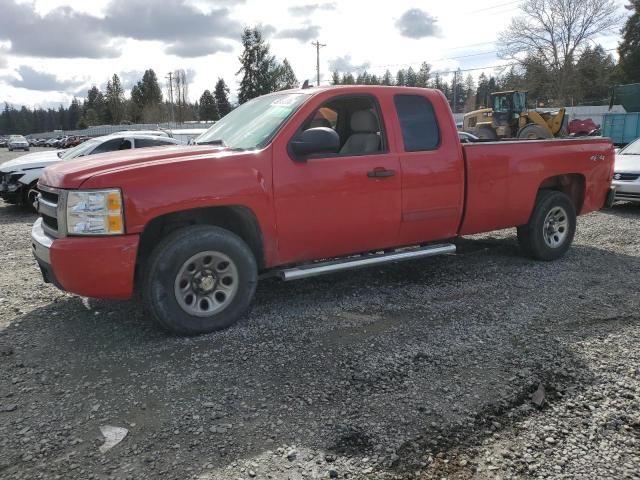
(51, 50)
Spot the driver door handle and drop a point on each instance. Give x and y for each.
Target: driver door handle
(380, 172)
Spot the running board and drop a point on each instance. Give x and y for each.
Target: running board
(323, 268)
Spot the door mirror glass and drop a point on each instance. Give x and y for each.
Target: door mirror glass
(315, 141)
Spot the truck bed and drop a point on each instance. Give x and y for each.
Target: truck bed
(503, 178)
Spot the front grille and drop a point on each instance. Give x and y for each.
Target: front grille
(627, 195)
(49, 208)
(626, 177)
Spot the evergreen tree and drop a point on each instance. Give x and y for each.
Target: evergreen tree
(221, 94)
(629, 48)
(424, 75)
(482, 91)
(74, 113)
(594, 71)
(285, 77)
(335, 78)
(208, 110)
(387, 78)
(347, 79)
(401, 78)
(411, 79)
(258, 66)
(115, 100)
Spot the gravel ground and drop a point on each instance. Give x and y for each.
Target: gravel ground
(428, 369)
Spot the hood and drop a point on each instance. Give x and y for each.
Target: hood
(31, 160)
(627, 163)
(73, 173)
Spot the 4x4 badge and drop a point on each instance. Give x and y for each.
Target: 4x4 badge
(598, 157)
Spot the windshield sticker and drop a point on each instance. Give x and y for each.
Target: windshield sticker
(284, 101)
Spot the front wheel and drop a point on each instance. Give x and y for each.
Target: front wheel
(551, 229)
(199, 279)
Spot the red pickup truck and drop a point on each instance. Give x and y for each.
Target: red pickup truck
(301, 183)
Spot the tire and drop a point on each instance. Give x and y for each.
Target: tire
(551, 229)
(169, 266)
(533, 132)
(28, 197)
(487, 133)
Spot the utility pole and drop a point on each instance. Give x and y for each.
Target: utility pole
(318, 46)
(170, 78)
(455, 77)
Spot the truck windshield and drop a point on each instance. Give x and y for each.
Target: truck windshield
(253, 124)
(631, 149)
(80, 150)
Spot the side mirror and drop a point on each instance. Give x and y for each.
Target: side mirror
(316, 141)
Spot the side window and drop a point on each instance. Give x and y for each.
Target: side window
(148, 142)
(418, 122)
(125, 145)
(110, 146)
(357, 122)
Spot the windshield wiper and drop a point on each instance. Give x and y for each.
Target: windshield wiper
(213, 142)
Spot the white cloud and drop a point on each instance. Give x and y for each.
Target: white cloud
(166, 37)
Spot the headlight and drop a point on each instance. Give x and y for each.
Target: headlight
(95, 212)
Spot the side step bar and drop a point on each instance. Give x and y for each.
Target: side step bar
(323, 268)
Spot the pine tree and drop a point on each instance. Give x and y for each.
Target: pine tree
(411, 79)
(335, 78)
(74, 113)
(258, 66)
(208, 109)
(286, 78)
(115, 100)
(424, 75)
(347, 79)
(221, 94)
(401, 78)
(482, 92)
(387, 78)
(594, 71)
(629, 48)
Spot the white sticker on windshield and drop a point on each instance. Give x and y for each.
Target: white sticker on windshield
(284, 100)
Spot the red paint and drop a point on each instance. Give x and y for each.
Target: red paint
(324, 207)
(96, 267)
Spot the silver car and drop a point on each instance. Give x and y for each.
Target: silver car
(17, 142)
(626, 176)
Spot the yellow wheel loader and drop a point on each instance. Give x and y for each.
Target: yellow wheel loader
(509, 117)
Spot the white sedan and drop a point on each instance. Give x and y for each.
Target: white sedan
(626, 176)
(19, 177)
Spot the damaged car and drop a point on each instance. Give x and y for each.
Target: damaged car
(19, 177)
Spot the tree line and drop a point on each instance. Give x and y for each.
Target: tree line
(554, 57)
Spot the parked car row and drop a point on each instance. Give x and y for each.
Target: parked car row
(19, 177)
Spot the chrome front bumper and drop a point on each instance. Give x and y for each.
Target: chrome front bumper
(41, 242)
(627, 190)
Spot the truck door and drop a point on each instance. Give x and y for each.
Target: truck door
(432, 165)
(342, 203)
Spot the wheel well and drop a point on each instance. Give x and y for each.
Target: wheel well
(237, 219)
(571, 184)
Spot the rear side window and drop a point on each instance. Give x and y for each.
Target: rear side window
(418, 122)
(147, 142)
(110, 146)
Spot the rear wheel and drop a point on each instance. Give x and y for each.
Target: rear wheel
(199, 279)
(551, 229)
(533, 132)
(487, 133)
